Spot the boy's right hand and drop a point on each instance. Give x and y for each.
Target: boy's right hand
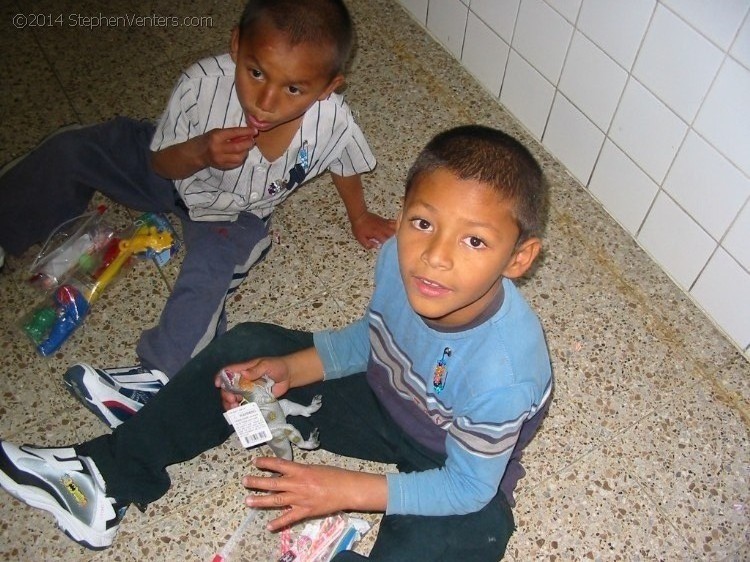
(275, 368)
(228, 148)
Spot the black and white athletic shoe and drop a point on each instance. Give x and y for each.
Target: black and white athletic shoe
(66, 485)
(114, 395)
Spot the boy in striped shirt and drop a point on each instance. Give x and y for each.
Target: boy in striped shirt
(241, 133)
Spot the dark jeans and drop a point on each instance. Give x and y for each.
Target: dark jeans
(56, 181)
(186, 418)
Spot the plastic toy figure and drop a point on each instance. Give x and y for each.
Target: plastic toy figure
(151, 239)
(40, 324)
(72, 308)
(274, 412)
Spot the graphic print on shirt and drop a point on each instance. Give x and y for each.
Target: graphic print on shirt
(297, 173)
(401, 374)
(482, 438)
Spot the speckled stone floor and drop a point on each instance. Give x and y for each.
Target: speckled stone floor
(645, 453)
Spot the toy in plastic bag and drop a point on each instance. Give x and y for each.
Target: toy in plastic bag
(119, 251)
(321, 539)
(150, 221)
(52, 321)
(49, 326)
(71, 242)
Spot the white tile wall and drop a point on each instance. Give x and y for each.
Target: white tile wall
(592, 81)
(485, 54)
(661, 88)
(717, 20)
(737, 239)
(573, 138)
(722, 290)
(417, 9)
(676, 241)
(676, 63)
(499, 15)
(741, 47)
(647, 130)
(617, 27)
(527, 94)
(622, 187)
(724, 118)
(542, 38)
(707, 186)
(447, 22)
(567, 8)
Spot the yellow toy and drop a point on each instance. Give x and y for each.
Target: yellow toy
(147, 238)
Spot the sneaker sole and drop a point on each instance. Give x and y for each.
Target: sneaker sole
(35, 496)
(112, 414)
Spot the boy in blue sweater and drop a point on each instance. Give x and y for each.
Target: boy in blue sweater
(447, 376)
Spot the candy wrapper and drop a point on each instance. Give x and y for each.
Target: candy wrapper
(321, 539)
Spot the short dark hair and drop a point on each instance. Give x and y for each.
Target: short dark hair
(306, 21)
(493, 158)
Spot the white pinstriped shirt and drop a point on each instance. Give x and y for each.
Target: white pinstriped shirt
(205, 98)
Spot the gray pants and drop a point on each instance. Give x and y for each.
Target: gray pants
(56, 181)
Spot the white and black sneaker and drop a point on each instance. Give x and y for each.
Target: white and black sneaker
(66, 485)
(114, 395)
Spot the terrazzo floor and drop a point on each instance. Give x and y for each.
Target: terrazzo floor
(645, 453)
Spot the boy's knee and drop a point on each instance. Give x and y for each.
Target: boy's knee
(246, 341)
(250, 329)
(70, 147)
(262, 339)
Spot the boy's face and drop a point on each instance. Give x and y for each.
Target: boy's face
(456, 241)
(277, 83)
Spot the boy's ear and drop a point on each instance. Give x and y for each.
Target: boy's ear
(522, 258)
(335, 83)
(234, 44)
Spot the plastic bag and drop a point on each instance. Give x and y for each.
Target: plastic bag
(321, 539)
(88, 259)
(68, 247)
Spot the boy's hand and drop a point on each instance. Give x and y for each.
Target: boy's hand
(313, 490)
(219, 148)
(275, 368)
(228, 148)
(369, 229)
(372, 230)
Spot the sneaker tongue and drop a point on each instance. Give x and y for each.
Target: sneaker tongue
(137, 395)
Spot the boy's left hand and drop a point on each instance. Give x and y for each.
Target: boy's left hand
(305, 491)
(372, 230)
(302, 491)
